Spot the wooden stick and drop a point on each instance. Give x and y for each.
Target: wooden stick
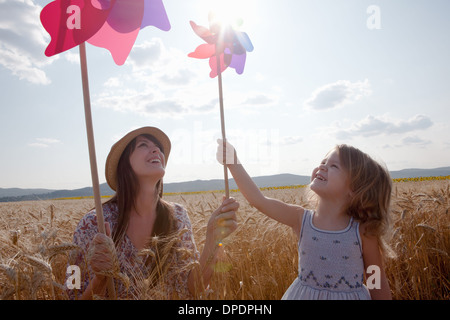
(222, 122)
(92, 157)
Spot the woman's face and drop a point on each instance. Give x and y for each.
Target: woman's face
(147, 160)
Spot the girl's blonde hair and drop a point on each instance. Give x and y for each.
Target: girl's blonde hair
(371, 186)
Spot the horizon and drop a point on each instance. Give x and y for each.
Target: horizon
(217, 179)
(371, 74)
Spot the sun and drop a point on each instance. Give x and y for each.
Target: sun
(231, 12)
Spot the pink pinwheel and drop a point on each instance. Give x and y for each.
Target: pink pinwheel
(110, 24)
(224, 43)
(225, 47)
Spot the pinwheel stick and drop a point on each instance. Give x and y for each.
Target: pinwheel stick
(92, 157)
(222, 121)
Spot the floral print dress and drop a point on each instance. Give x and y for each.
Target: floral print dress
(138, 266)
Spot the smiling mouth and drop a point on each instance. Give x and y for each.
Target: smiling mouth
(155, 161)
(319, 177)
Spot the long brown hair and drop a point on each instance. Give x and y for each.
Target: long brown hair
(128, 187)
(371, 186)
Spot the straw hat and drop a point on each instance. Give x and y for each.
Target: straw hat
(112, 161)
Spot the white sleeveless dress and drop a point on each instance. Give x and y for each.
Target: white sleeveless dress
(330, 264)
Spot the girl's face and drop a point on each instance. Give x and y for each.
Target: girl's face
(147, 160)
(330, 179)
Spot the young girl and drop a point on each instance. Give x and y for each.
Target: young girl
(343, 236)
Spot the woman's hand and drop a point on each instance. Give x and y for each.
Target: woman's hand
(102, 258)
(223, 221)
(102, 252)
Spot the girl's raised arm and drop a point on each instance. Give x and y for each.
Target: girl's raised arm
(287, 214)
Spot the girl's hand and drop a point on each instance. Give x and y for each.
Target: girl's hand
(223, 221)
(231, 156)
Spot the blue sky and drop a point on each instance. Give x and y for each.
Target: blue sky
(322, 73)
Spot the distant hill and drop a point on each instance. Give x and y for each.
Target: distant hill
(16, 194)
(189, 186)
(218, 184)
(52, 194)
(412, 173)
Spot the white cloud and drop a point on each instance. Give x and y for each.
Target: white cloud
(72, 56)
(259, 77)
(275, 139)
(153, 61)
(38, 145)
(150, 102)
(289, 140)
(178, 77)
(373, 126)
(337, 94)
(48, 140)
(23, 40)
(146, 54)
(414, 141)
(259, 99)
(418, 122)
(43, 142)
(166, 83)
(113, 82)
(156, 85)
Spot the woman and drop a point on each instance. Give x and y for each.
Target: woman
(149, 242)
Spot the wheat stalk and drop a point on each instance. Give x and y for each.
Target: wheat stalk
(54, 250)
(262, 254)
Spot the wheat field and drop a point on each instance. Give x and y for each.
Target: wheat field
(259, 260)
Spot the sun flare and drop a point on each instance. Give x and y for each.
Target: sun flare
(231, 12)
